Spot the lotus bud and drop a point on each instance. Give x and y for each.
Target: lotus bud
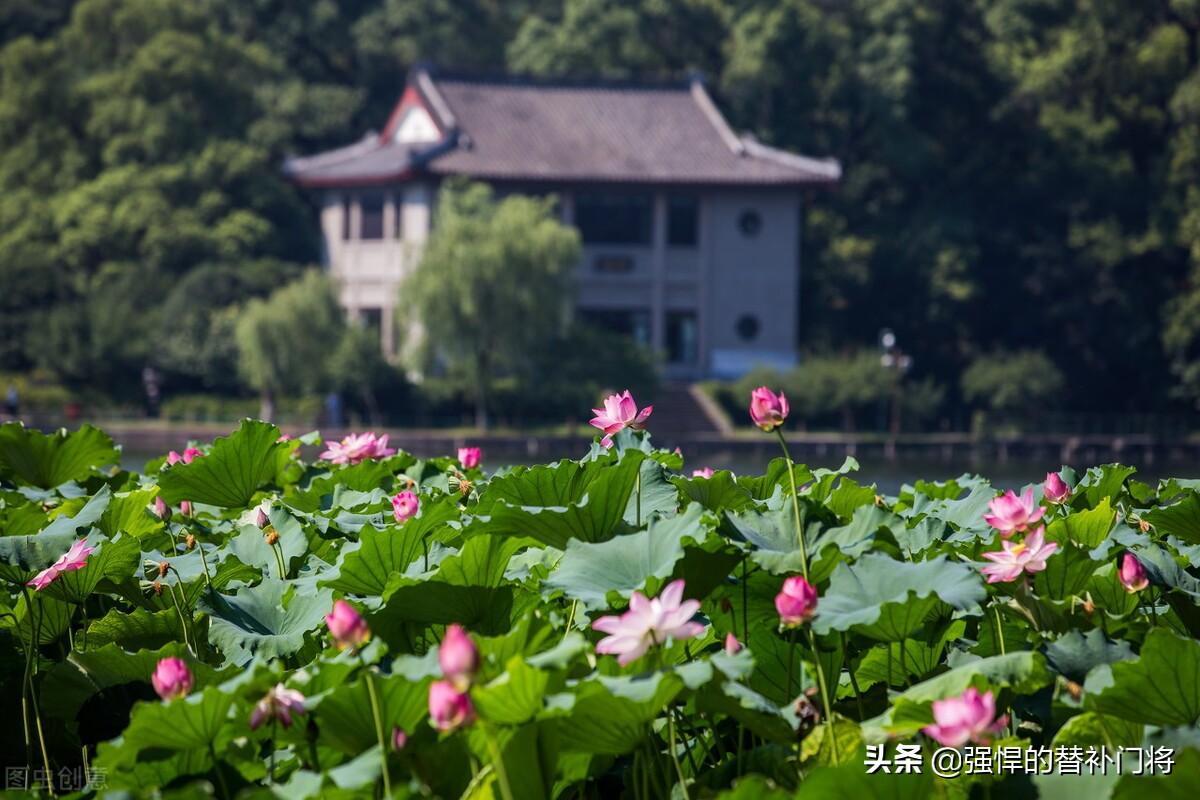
(470, 457)
(172, 679)
(185, 508)
(449, 708)
(161, 509)
(1132, 574)
(458, 657)
(732, 645)
(796, 602)
(1055, 489)
(405, 506)
(767, 409)
(399, 738)
(347, 626)
(261, 519)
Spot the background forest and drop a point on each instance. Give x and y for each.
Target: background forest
(1020, 175)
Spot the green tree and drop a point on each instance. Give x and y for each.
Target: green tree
(285, 343)
(1012, 385)
(492, 285)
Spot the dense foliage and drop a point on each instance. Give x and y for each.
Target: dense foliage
(1020, 174)
(238, 618)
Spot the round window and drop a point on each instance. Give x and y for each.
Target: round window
(750, 223)
(747, 327)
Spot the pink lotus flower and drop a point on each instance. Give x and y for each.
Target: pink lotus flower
(796, 602)
(161, 509)
(347, 626)
(1028, 556)
(648, 623)
(73, 559)
(968, 718)
(405, 506)
(458, 657)
(279, 703)
(706, 472)
(619, 412)
(190, 454)
(399, 738)
(357, 447)
(1132, 574)
(172, 679)
(767, 409)
(1011, 513)
(732, 645)
(185, 507)
(449, 708)
(1055, 489)
(470, 457)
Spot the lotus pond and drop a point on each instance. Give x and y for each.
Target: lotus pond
(264, 616)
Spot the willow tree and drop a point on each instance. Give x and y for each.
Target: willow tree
(492, 285)
(286, 341)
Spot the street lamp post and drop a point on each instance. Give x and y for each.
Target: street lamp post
(899, 363)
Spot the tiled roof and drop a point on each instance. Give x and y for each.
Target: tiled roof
(530, 130)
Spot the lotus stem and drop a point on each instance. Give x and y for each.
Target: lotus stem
(212, 751)
(853, 682)
(639, 496)
(278, 551)
(570, 618)
(824, 687)
(498, 762)
(787, 456)
(382, 736)
(675, 755)
(999, 626)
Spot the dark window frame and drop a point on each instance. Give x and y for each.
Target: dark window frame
(370, 228)
(683, 221)
(615, 218)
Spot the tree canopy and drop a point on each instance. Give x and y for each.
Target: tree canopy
(492, 286)
(1019, 174)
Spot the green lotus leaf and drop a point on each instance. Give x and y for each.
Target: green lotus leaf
(515, 697)
(1104, 482)
(112, 560)
(129, 512)
(589, 571)
(1090, 729)
(718, 493)
(590, 518)
(1180, 519)
(1179, 784)
(1085, 528)
(364, 569)
(1067, 572)
(612, 716)
(135, 630)
(1074, 654)
(71, 682)
(888, 600)
(653, 496)
(1160, 687)
(23, 556)
(197, 721)
(345, 715)
(270, 619)
(49, 460)
(232, 471)
(468, 587)
(850, 781)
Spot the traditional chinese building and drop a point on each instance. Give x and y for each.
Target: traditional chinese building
(691, 232)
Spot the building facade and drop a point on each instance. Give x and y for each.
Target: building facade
(690, 232)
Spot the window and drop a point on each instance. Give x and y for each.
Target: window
(631, 322)
(614, 218)
(750, 223)
(747, 327)
(613, 265)
(346, 207)
(682, 214)
(681, 337)
(398, 204)
(372, 216)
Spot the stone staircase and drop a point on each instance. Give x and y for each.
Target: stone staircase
(682, 411)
